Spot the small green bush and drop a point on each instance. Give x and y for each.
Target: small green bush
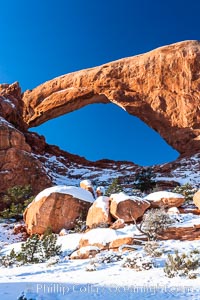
(114, 187)
(138, 262)
(187, 190)
(34, 250)
(15, 200)
(144, 180)
(182, 264)
(152, 248)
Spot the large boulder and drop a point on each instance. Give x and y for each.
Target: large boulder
(57, 207)
(127, 207)
(99, 214)
(196, 199)
(165, 199)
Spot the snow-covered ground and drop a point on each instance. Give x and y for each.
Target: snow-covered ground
(64, 172)
(70, 279)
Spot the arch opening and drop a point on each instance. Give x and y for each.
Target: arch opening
(102, 131)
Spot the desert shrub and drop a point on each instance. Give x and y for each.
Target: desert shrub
(34, 250)
(138, 262)
(187, 190)
(28, 296)
(114, 187)
(31, 251)
(15, 200)
(144, 180)
(53, 261)
(79, 224)
(154, 222)
(138, 193)
(92, 266)
(49, 246)
(104, 257)
(108, 257)
(182, 264)
(152, 248)
(8, 260)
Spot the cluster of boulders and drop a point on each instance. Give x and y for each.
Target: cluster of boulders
(59, 207)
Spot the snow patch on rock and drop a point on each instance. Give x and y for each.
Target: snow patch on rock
(76, 192)
(162, 194)
(119, 197)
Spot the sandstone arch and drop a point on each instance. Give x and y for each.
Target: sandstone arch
(161, 87)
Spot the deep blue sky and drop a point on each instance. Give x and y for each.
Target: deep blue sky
(42, 39)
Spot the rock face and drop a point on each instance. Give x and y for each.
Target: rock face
(16, 160)
(165, 199)
(99, 213)
(57, 208)
(18, 166)
(160, 87)
(127, 208)
(196, 199)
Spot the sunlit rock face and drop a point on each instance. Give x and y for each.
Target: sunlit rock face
(161, 87)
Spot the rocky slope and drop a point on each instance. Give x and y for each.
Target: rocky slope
(160, 87)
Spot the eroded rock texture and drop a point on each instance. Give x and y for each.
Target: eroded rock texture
(161, 87)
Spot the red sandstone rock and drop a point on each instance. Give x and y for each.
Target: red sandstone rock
(160, 87)
(99, 213)
(119, 223)
(165, 199)
(17, 164)
(57, 208)
(127, 208)
(19, 228)
(196, 199)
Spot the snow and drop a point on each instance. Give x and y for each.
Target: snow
(9, 102)
(3, 121)
(76, 192)
(187, 220)
(105, 235)
(103, 203)
(86, 182)
(69, 279)
(119, 197)
(173, 210)
(83, 250)
(162, 194)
